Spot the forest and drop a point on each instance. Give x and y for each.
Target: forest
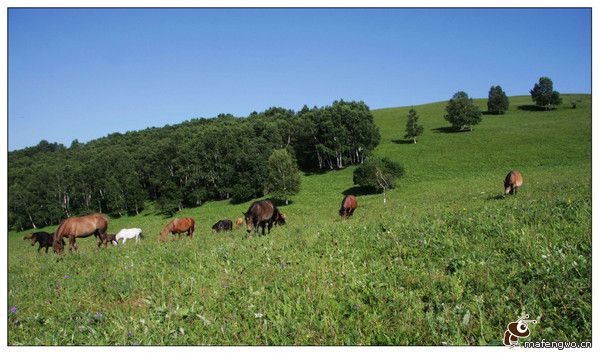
(182, 165)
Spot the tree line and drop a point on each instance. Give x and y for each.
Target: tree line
(185, 165)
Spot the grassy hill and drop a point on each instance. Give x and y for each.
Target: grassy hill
(446, 260)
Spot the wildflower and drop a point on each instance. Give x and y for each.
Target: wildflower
(142, 322)
(17, 322)
(13, 309)
(66, 277)
(258, 315)
(130, 334)
(98, 315)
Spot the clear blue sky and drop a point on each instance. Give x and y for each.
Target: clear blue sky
(85, 73)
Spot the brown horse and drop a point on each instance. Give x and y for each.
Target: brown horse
(349, 204)
(263, 213)
(178, 226)
(238, 223)
(80, 226)
(513, 180)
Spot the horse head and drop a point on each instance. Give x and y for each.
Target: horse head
(249, 221)
(58, 246)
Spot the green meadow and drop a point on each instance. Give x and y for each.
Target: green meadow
(447, 260)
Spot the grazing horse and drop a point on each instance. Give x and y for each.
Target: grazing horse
(263, 213)
(111, 238)
(126, 234)
(513, 180)
(238, 223)
(222, 225)
(81, 226)
(43, 238)
(349, 204)
(178, 226)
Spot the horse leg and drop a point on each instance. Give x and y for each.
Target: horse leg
(71, 243)
(263, 224)
(39, 248)
(124, 240)
(270, 226)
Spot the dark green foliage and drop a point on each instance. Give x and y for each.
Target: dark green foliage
(461, 112)
(379, 174)
(182, 165)
(283, 180)
(497, 101)
(337, 135)
(413, 128)
(543, 93)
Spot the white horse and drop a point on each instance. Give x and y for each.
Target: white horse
(126, 234)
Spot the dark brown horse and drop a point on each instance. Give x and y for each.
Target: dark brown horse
(178, 226)
(80, 226)
(112, 238)
(263, 213)
(43, 238)
(222, 225)
(349, 204)
(513, 180)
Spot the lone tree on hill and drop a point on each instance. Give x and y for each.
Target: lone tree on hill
(543, 93)
(413, 128)
(284, 176)
(497, 100)
(379, 174)
(462, 113)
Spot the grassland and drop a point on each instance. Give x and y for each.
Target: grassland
(446, 261)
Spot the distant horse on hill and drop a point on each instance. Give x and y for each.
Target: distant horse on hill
(80, 226)
(513, 180)
(178, 226)
(263, 213)
(349, 204)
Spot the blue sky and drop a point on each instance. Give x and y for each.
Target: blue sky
(85, 73)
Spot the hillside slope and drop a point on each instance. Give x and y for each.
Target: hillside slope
(447, 260)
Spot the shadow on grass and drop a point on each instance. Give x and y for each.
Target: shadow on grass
(488, 113)
(316, 172)
(496, 197)
(281, 202)
(358, 190)
(533, 108)
(449, 130)
(403, 141)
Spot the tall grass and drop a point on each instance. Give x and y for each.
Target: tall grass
(446, 260)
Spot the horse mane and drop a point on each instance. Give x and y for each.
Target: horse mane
(168, 228)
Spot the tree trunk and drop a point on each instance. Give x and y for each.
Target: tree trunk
(286, 201)
(31, 220)
(414, 140)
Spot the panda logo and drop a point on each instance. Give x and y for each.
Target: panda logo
(516, 330)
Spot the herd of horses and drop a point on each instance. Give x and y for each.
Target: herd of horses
(261, 214)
